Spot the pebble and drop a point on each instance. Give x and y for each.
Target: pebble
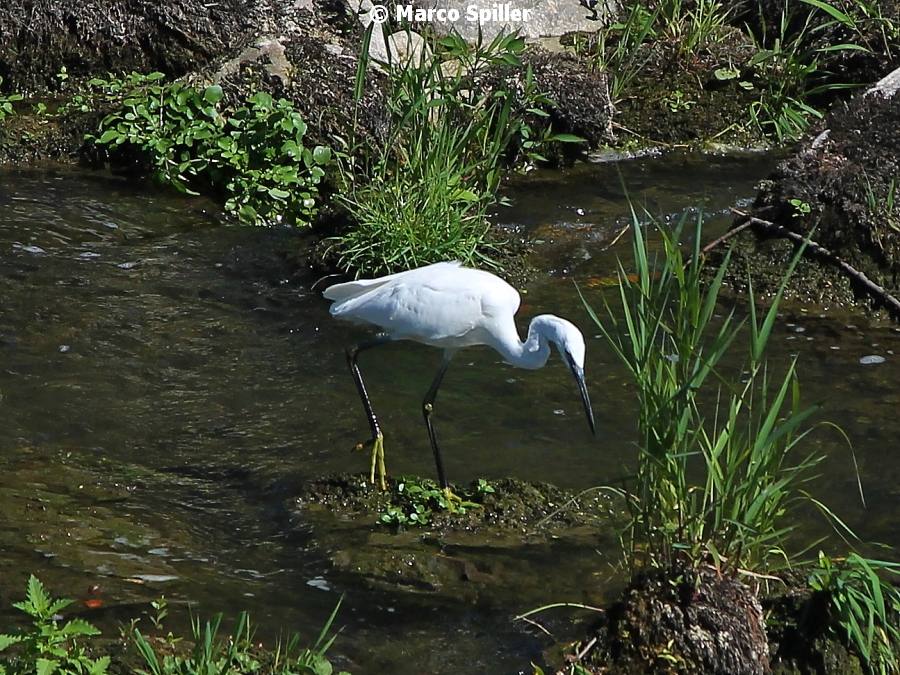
(871, 359)
(320, 583)
(36, 250)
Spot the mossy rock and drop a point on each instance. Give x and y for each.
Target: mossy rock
(534, 540)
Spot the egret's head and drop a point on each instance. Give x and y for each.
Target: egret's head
(570, 343)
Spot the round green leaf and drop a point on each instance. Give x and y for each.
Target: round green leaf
(213, 94)
(321, 154)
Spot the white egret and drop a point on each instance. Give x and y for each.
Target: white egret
(450, 306)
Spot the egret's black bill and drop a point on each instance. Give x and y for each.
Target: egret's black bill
(578, 372)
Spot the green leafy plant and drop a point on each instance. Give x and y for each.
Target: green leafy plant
(692, 25)
(6, 102)
(417, 499)
(237, 654)
(483, 487)
(676, 102)
(717, 475)
(622, 48)
(160, 608)
(866, 608)
(254, 155)
(801, 208)
(49, 646)
(425, 193)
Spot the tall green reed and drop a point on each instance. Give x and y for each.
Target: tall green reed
(719, 471)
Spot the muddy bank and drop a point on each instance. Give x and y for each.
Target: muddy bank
(670, 98)
(306, 52)
(841, 189)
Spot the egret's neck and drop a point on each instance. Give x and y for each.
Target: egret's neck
(531, 354)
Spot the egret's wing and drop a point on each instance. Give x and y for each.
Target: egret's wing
(352, 289)
(413, 311)
(444, 305)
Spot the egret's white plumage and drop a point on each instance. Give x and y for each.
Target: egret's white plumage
(449, 306)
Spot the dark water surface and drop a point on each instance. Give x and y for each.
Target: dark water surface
(166, 384)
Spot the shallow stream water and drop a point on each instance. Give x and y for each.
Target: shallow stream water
(167, 383)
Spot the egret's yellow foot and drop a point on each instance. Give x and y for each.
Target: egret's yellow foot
(454, 501)
(377, 464)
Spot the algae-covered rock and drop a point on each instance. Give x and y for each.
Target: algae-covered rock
(543, 542)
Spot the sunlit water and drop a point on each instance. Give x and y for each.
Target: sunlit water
(168, 383)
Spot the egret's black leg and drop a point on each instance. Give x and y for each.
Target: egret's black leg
(427, 410)
(377, 441)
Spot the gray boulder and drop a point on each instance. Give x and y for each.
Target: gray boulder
(532, 18)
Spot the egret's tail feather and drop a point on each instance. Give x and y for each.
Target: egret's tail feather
(351, 289)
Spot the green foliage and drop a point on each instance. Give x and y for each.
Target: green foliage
(801, 208)
(866, 608)
(621, 47)
(717, 487)
(786, 73)
(425, 194)
(6, 103)
(787, 69)
(254, 155)
(236, 654)
(418, 498)
(692, 24)
(782, 73)
(49, 647)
